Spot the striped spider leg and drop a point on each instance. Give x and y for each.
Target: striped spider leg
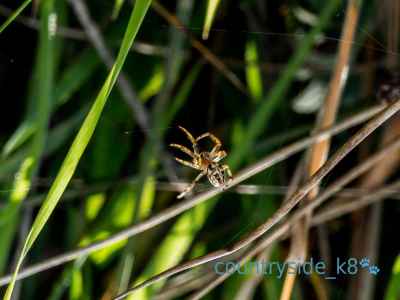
(206, 162)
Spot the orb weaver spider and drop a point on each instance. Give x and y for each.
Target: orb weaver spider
(206, 162)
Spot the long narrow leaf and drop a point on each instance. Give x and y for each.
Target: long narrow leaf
(82, 139)
(210, 14)
(14, 15)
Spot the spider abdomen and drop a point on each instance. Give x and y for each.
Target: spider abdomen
(216, 175)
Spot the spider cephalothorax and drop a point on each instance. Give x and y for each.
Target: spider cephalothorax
(206, 162)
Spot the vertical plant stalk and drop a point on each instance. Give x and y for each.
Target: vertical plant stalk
(319, 151)
(367, 223)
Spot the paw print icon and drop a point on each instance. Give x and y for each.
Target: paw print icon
(374, 270)
(364, 262)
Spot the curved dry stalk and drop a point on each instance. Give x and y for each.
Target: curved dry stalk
(190, 285)
(338, 209)
(179, 208)
(260, 246)
(334, 210)
(284, 209)
(319, 151)
(324, 216)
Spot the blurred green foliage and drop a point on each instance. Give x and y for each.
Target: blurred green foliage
(68, 102)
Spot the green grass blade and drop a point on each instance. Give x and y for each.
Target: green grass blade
(117, 8)
(71, 80)
(253, 73)
(75, 76)
(19, 137)
(36, 122)
(182, 95)
(393, 288)
(268, 105)
(14, 15)
(210, 15)
(82, 139)
(57, 137)
(256, 127)
(177, 242)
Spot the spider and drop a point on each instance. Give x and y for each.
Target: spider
(206, 162)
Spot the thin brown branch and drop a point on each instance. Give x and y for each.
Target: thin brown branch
(337, 210)
(79, 35)
(324, 216)
(94, 35)
(367, 223)
(179, 290)
(321, 217)
(336, 85)
(179, 208)
(250, 284)
(354, 141)
(319, 152)
(332, 211)
(203, 50)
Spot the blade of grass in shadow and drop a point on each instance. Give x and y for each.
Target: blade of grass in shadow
(20, 136)
(117, 8)
(177, 241)
(210, 15)
(162, 258)
(263, 115)
(75, 75)
(153, 147)
(71, 80)
(39, 120)
(253, 72)
(268, 105)
(159, 259)
(82, 139)
(14, 15)
(56, 138)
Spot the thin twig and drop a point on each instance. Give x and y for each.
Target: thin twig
(178, 290)
(293, 186)
(335, 210)
(284, 209)
(78, 34)
(319, 151)
(95, 37)
(367, 223)
(179, 208)
(324, 216)
(207, 54)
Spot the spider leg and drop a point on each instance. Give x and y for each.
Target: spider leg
(191, 138)
(217, 156)
(186, 163)
(228, 171)
(183, 149)
(191, 186)
(212, 137)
